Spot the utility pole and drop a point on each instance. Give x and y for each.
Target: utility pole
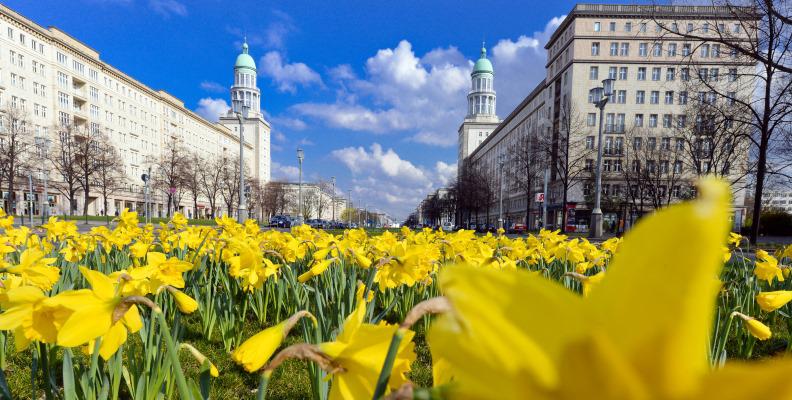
(601, 95)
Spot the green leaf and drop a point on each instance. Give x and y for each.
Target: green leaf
(69, 390)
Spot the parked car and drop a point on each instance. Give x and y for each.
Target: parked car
(517, 228)
(280, 221)
(315, 223)
(447, 226)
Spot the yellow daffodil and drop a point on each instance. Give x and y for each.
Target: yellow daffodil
(754, 326)
(766, 267)
(771, 301)
(34, 267)
(253, 353)
(642, 333)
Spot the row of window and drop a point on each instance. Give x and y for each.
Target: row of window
(615, 123)
(704, 74)
(35, 45)
(705, 27)
(617, 190)
(623, 49)
(620, 97)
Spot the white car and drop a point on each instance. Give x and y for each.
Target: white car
(447, 226)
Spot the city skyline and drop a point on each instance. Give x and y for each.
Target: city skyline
(343, 104)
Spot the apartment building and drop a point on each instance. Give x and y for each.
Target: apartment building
(55, 80)
(656, 126)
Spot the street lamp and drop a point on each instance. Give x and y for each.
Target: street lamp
(43, 145)
(349, 209)
(300, 157)
(333, 197)
(600, 96)
(501, 163)
(241, 109)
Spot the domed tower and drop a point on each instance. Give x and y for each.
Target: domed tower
(256, 129)
(481, 98)
(245, 87)
(481, 119)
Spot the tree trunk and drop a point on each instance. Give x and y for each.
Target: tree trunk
(761, 170)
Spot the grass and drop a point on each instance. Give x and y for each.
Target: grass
(289, 381)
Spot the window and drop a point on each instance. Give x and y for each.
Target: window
(63, 100)
(639, 96)
(657, 49)
(636, 167)
(595, 48)
(593, 73)
(628, 26)
(684, 74)
(589, 166)
(639, 118)
(656, 73)
(705, 27)
(641, 73)
(642, 27)
(653, 120)
(689, 27)
(612, 72)
(703, 74)
(589, 142)
(591, 119)
(651, 143)
(670, 74)
(62, 58)
(677, 170)
(685, 49)
(672, 49)
(622, 73)
(683, 98)
(624, 49)
(606, 167)
(11, 33)
(731, 98)
(667, 124)
(614, 49)
(637, 143)
(663, 170)
(674, 27)
(597, 27)
(680, 144)
(732, 74)
(642, 49)
(705, 51)
(93, 74)
(94, 94)
(713, 74)
(78, 67)
(715, 50)
(612, 27)
(621, 97)
(63, 80)
(669, 97)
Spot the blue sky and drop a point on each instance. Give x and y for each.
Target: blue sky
(373, 91)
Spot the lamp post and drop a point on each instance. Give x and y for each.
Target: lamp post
(241, 109)
(300, 157)
(600, 96)
(333, 197)
(501, 163)
(349, 209)
(43, 145)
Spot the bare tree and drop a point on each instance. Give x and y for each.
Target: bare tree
(229, 191)
(88, 151)
(566, 149)
(274, 201)
(757, 37)
(324, 197)
(191, 175)
(310, 198)
(65, 162)
(210, 175)
(256, 198)
(525, 168)
(15, 146)
(170, 170)
(109, 176)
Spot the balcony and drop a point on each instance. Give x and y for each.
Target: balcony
(79, 93)
(614, 128)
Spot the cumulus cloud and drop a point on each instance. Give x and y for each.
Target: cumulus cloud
(291, 123)
(168, 8)
(287, 76)
(211, 86)
(383, 177)
(211, 109)
(425, 95)
(282, 172)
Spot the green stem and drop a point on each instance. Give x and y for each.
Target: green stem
(263, 382)
(384, 377)
(173, 353)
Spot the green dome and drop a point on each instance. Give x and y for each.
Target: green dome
(483, 65)
(244, 60)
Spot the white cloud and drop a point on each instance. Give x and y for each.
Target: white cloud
(211, 109)
(291, 123)
(167, 8)
(425, 96)
(279, 136)
(277, 30)
(287, 76)
(382, 177)
(211, 86)
(284, 172)
(520, 66)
